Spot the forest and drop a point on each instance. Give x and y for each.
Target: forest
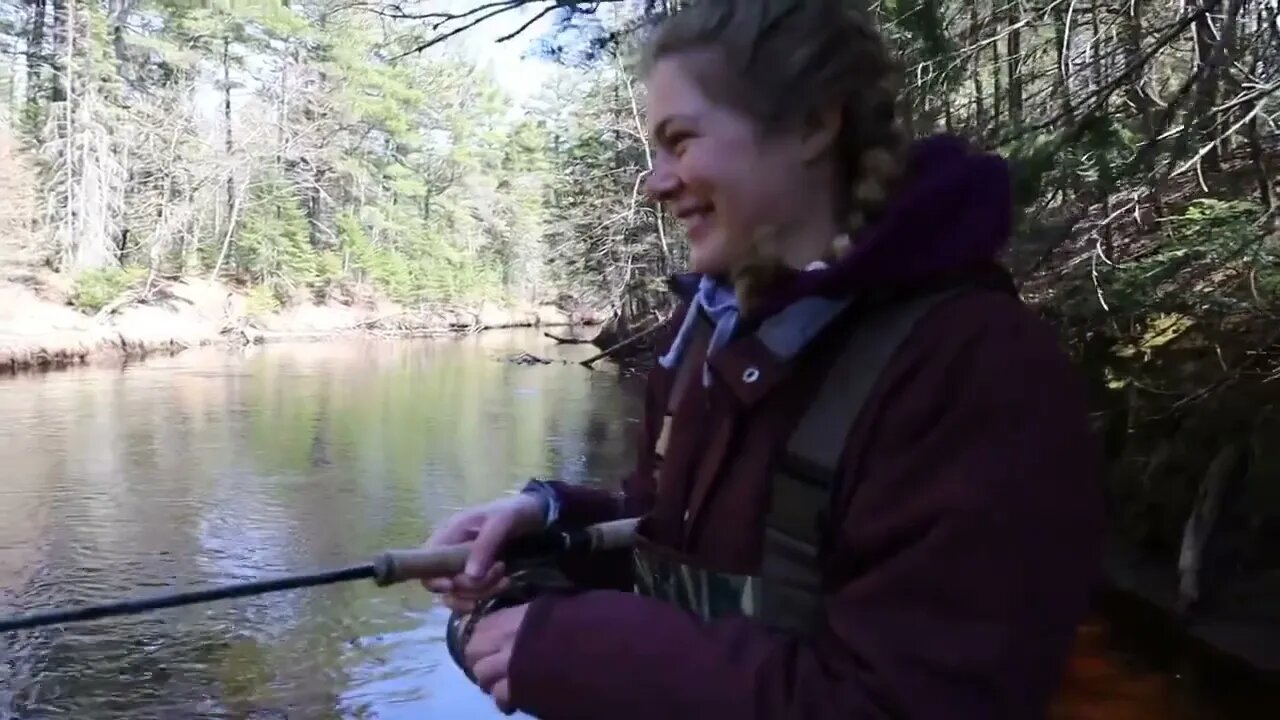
(313, 149)
(304, 150)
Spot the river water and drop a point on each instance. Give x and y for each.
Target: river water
(216, 466)
(219, 466)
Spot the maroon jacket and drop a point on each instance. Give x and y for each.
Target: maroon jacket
(972, 521)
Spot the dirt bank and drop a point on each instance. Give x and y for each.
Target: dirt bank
(38, 329)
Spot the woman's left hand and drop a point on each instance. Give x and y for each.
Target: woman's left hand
(488, 653)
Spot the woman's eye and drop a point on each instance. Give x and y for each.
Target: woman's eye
(678, 142)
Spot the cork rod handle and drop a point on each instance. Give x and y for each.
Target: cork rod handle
(395, 566)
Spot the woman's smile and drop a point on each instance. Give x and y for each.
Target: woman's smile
(698, 219)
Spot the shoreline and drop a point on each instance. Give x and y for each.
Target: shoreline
(38, 333)
(1239, 643)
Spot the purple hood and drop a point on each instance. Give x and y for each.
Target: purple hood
(953, 215)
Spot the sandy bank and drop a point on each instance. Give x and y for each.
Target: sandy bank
(37, 331)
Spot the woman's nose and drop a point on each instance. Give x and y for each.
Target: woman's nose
(663, 183)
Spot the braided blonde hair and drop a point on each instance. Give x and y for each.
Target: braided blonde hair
(782, 62)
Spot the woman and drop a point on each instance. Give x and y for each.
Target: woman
(867, 482)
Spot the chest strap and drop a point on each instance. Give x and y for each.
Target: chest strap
(806, 481)
(787, 594)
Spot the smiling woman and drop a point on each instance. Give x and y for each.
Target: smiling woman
(866, 483)
(781, 175)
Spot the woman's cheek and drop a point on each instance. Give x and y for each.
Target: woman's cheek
(694, 171)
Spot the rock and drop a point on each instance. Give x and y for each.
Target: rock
(524, 358)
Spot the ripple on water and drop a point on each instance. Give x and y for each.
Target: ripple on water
(210, 468)
(404, 671)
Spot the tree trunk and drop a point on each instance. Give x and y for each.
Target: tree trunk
(37, 58)
(975, 70)
(1062, 37)
(1013, 15)
(997, 92)
(228, 138)
(1206, 92)
(55, 61)
(1138, 90)
(118, 20)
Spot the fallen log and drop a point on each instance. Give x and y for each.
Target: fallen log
(619, 345)
(568, 340)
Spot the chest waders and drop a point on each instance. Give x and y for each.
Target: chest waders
(786, 591)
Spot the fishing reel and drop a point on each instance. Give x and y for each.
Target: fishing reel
(524, 586)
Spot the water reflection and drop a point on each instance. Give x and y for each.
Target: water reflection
(216, 467)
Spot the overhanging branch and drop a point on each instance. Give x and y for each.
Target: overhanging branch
(445, 25)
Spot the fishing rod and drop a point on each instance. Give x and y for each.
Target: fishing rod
(388, 568)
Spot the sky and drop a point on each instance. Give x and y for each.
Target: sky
(520, 76)
(516, 69)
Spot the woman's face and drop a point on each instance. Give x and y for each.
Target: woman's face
(715, 171)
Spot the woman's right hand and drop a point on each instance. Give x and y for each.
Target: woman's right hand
(487, 527)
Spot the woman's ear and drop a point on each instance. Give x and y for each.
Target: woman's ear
(820, 132)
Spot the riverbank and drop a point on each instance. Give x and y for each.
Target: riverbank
(1240, 638)
(40, 329)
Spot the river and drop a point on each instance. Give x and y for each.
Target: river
(219, 466)
(216, 466)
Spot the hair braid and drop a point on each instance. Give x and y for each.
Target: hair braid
(758, 267)
(874, 138)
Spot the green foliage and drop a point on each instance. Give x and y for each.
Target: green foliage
(273, 248)
(1033, 159)
(276, 145)
(261, 301)
(328, 274)
(1103, 152)
(95, 289)
(924, 23)
(1226, 223)
(1044, 161)
(1155, 332)
(388, 271)
(1208, 238)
